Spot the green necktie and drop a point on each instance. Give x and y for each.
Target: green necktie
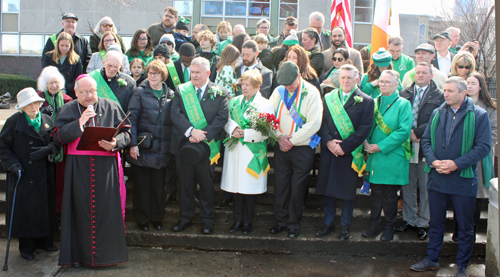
(186, 74)
(198, 93)
(246, 69)
(346, 96)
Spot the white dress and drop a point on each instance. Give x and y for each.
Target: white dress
(235, 179)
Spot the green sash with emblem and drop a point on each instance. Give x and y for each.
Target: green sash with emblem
(103, 90)
(344, 125)
(173, 74)
(102, 53)
(53, 38)
(197, 118)
(259, 149)
(388, 130)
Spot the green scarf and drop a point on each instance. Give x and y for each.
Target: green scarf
(36, 123)
(467, 140)
(158, 93)
(259, 149)
(59, 101)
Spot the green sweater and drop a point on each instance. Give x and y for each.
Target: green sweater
(145, 59)
(403, 65)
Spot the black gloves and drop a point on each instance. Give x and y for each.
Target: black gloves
(14, 169)
(48, 110)
(40, 152)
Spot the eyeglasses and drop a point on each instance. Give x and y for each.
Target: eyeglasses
(382, 82)
(462, 66)
(169, 43)
(109, 40)
(153, 74)
(107, 25)
(264, 27)
(69, 21)
(337, 59)
(85, 93)
(142, 39)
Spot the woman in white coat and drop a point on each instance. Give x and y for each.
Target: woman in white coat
(244, 172)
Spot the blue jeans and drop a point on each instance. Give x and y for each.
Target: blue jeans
(329, 205)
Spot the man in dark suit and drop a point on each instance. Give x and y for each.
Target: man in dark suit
(179, 72)
(341, 162)
(444, 57)
(249, 54)
(214, 109)
(424, 97)
(317, 21)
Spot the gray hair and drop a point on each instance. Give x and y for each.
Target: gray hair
(349, 67)
(317, 16)
(393, 73)
(115, 54)
(459, 81)
(452, 29)
(48, 74)
(261, 21)
(396, 41)
(201, 61)
(97, 28)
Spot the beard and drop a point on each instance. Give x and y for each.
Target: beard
(249, 63)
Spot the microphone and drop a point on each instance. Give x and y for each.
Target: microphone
(92, 119)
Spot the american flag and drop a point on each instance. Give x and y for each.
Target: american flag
(341, 16)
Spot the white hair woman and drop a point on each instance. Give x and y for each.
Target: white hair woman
(104, 25)
(26, 149)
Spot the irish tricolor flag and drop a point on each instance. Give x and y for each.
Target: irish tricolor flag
(385, 24)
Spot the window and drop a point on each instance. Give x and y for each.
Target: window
(10, 27)
(363, 11)
(289, 8)
(185, 8)
(31, 44)
(246, 12)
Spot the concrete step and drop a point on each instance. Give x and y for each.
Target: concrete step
(260, 241)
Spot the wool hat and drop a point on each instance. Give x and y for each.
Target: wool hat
(187, 50)
(167, 38)
(287, 73)
(114, 47)
(291, 39)
(27, 96)
(193, 153)
(183, 24)
(382, 58)
(426, 47)
(163, 50)
(444, 35)
(70, 16)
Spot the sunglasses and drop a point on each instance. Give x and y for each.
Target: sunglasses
(107, 25)
(339, 59)
(462, 66)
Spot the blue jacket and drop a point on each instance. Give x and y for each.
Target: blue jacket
(449, 135)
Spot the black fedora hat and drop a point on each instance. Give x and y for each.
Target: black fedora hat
(193, 153)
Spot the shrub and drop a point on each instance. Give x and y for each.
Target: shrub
(14, 83)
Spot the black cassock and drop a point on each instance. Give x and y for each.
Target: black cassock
(92, 226)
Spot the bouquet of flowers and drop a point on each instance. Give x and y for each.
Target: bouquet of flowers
(265, 123)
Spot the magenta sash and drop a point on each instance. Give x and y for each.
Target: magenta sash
(71, 150)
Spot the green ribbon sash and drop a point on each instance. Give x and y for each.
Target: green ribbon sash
(173, 74)
(387, 130)
(102, 53)
(103, 90)
(197, 118)
(344, 125)
(53, 38)
(467, 140)
(259, 149)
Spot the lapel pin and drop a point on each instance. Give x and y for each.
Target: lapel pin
(46, 126)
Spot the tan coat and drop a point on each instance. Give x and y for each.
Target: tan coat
(354, 56)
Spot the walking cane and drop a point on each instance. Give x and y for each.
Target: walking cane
(5, 267)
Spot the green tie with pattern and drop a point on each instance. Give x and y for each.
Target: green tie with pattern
(198, 93)
(186, 74)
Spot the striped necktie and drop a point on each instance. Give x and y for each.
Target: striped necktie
(416, 106)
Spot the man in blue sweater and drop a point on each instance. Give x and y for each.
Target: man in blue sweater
(457, 137)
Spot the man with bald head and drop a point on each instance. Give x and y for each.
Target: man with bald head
(92, 221)
(111, 82)
(238, 29)
(194, 35)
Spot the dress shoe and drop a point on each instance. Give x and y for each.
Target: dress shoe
(143, 226)
(325, 230)
(462, 271)
(373, 231)
(235, 227)
(293, 233)
(406, 227)
(344, 233)
(422, 233)
(180, 226)
(28, 256)
(425, 265)
(247, 228)
(388, 234)
(224, 203)
(158, 225)
(170, 198)
(207, 229)
(277, 229)
(76, 264)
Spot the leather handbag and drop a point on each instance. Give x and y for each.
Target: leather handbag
(144, 140)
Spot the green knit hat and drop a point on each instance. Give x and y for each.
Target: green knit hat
(291, 39)
(382, 58)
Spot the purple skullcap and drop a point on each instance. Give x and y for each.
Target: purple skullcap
(82, 76)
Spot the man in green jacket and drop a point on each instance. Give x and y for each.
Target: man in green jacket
(400, 62)
(167, 26)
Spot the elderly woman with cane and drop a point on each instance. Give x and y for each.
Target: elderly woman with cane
(26, 146)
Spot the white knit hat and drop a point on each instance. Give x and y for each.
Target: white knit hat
(26, 97)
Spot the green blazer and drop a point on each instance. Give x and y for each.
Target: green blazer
(389, 166)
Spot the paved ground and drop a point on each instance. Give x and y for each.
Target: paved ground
(178, 262)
